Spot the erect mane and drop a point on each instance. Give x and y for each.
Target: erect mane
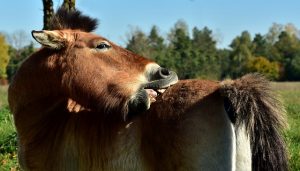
(72, 19)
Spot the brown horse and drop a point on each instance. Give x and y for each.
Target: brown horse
(83, 103)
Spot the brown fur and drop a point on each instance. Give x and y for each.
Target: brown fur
(170, 128)
(254, 104)
(52, 138)
(188, 120)
(159, 139)
(103, 82)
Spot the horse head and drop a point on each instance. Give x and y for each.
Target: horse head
(93, 71)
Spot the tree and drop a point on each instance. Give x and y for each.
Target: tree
(203, 41)
(274, 32)
(293, 68)
(48, 13)
(18, 39)
(18, 43)
(195, 57)
(292, 30)
(17, 56)
(138, 42)
(260, 45)
(240, 54)
(4, 58)
(48, 10)
(287, 45)
(69, 4)
(180, 53)
(288, 48)
(224, 58)
(179, 25)
(262, 65)
(205, 52)
(275, 54)
(157, 50)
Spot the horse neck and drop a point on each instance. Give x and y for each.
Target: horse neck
(37, 79)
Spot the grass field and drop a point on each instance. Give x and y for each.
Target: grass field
(290, 93)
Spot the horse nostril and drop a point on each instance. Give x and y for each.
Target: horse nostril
(163, 72)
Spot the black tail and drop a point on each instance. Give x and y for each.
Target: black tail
(251, 102)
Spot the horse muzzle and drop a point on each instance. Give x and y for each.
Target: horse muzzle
(159, 80)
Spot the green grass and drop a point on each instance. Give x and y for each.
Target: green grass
(292, 101)
(3, 96)
(8, 146)
(290, 93)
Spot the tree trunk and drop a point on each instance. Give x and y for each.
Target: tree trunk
(69, 4)
(48, 12)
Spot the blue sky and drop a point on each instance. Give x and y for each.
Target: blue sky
(227, 18)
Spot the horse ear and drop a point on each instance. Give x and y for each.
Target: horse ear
(49, 39)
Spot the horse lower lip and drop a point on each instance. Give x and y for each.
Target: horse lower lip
(151, 93)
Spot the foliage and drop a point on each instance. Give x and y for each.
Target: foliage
(205, 48)
(287, 45)
(293, 68)
(8, 138)
(157, 47)
(288, 48)
(263, 66)
(138, 43)
(224, 60)
(4, 57)
(260, 46)
(274, 32)
(240, 54)
(181, 51)
(16, 58)
(190, 57)
(197, 55)
(8, 141)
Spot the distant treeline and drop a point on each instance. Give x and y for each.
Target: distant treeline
(195, 55)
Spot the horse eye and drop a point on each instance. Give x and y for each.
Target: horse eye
(103, 46)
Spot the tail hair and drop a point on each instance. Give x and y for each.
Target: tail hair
(252, 103)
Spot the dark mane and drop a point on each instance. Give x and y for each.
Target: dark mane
(64, 19)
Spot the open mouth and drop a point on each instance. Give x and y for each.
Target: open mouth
(154, 93)
(157, 87)
(148, 93)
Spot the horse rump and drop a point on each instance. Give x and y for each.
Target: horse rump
(250, 102)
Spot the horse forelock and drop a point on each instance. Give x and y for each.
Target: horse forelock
(74, 19)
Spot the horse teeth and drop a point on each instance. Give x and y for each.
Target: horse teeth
(161, 90)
